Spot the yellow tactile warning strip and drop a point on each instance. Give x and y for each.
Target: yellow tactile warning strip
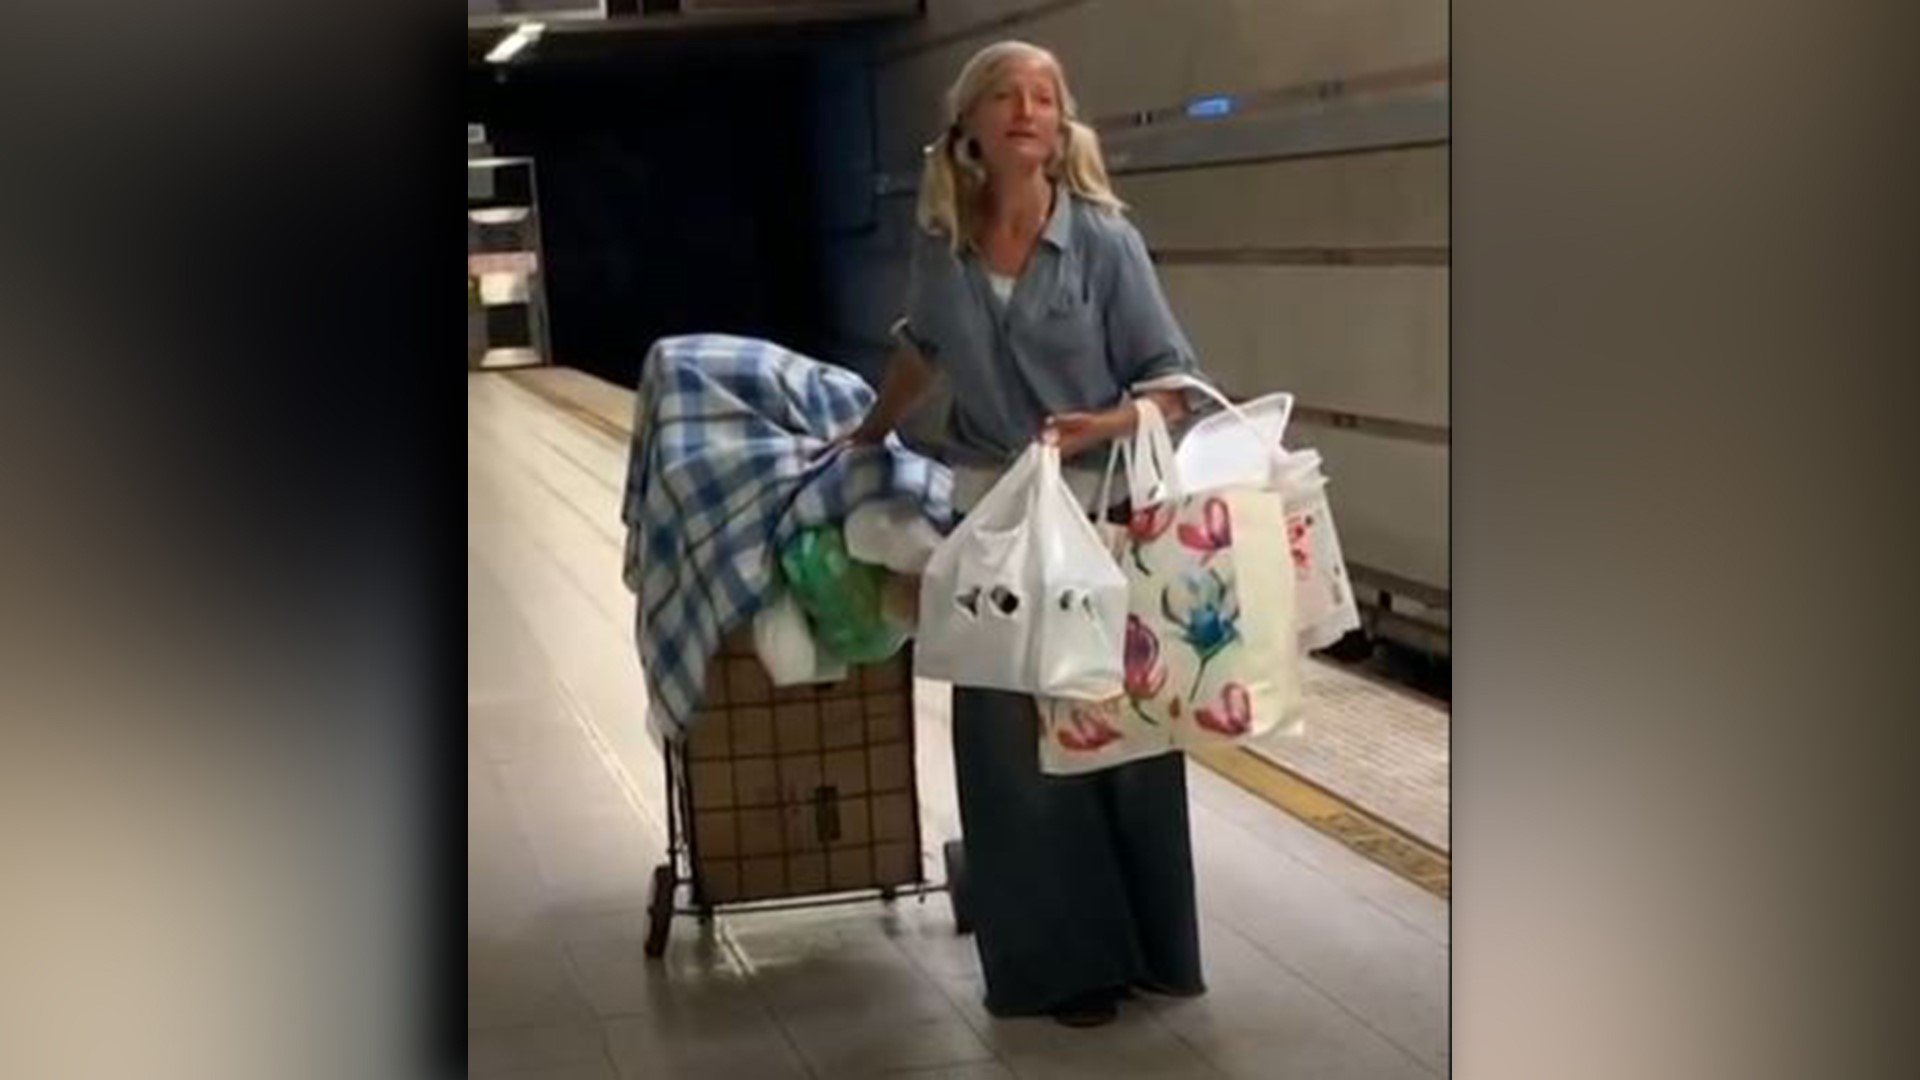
(1371, 836)
(1383, 747)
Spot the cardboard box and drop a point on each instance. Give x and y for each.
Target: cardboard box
(800, 777)
(718, 834)
(887, 678)
(707, 739)
(806, 874)
(764, 877)
(796, 728)
(851, 868)
(756, 782)
(806, 834)
(895, 862)
(752, 732)
(888, 721)
(720, 881)
(747, 682)
(855, 824)
(842, 724)
(763, 832)
(712, 785)
(890, 767)
(846, 771)
(894, 817)
(800, 791)
(739, 644)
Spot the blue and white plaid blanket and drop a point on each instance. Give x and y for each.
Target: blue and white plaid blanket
(723, 470)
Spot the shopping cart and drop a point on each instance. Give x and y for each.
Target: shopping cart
(795, 797)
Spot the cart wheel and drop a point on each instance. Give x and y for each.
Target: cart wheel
(955, 854)
(888, 894)
(660, 910)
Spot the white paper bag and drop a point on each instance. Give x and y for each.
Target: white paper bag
(1327, 610)
(1023, 595)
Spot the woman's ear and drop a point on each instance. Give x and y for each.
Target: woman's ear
(964, 148)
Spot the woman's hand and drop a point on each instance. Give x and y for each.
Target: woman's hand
(907, 380)
(1076, 432)
(870, 431)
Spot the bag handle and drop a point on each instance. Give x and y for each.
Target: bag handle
(1103, 499)
(1046, 471)
(1183, 381)
(1153, 443)
(1275, 451)
(1008, 500)
(1152, 475)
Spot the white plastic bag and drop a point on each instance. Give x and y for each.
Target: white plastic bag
(1225, 450)
(1024, 595)
(890, 533)
(785, 645)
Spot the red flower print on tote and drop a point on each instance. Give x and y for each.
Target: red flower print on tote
(1150, 523)
(1235, 716)
(1087, 730)
(1213, 534)
(1145, 526)
(1145, 676)
(1297, 540)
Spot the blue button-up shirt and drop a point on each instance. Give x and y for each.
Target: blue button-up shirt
(1086, 319)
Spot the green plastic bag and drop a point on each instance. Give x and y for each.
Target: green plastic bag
(842, 598)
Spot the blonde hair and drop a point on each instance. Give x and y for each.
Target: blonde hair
(953, 184)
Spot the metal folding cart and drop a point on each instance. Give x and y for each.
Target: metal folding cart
(795, 797)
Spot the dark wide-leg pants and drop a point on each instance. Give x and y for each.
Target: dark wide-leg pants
(1075, 884)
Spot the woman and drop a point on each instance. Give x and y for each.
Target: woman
(1036, 299)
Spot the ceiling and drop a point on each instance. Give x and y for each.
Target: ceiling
(575, 31)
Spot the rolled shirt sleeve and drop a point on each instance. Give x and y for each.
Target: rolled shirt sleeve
(1144, 341)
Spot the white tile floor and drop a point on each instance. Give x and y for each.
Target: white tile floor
(1381, 748)
(1322, 965)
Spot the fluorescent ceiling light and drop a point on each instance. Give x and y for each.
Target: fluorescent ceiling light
(510, 46)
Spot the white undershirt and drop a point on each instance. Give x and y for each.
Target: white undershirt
(1002, 286)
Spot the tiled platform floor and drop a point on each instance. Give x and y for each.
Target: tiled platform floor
(1374, 745)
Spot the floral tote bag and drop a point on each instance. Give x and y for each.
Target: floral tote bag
(1211, 654)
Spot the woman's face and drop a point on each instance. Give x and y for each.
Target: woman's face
(1017, 122)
